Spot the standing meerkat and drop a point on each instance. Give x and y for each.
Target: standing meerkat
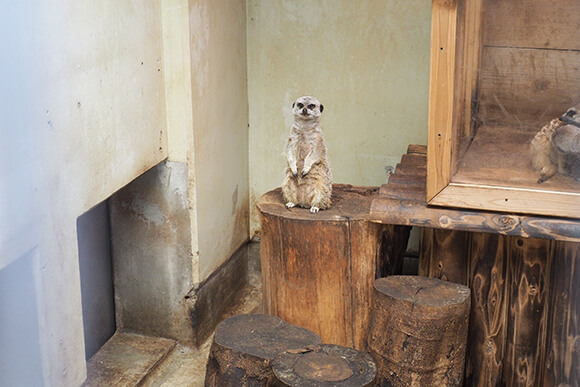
(308, 181)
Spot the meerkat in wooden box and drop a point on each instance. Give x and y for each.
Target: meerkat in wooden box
(556, 147)
(308, 181)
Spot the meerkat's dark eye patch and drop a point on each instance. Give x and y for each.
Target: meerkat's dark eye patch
(300, 105)
(311, 106)
(571, 113)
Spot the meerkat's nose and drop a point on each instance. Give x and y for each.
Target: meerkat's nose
(304, 111)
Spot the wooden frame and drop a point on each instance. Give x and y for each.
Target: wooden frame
(456, 53)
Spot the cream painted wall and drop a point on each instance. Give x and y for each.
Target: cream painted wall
(220, 120)
(86, 109)
(366, 61)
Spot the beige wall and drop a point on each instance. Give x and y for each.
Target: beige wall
(220, 121)
(366, 61)
(84, 114)
(91, 120)
(104, 99)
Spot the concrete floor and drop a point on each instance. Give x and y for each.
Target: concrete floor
(128, 360)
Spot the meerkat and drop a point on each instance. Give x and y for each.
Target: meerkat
(556, 147)
(308, 180)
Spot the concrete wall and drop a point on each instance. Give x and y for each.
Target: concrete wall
(367, 62)
(220, 114)
(83, 114)
(87, 107)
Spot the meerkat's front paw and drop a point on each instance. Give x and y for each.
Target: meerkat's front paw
(304, 172)
(314, 209)
(290, 205)
(294, 170)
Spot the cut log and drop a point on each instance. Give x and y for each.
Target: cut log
(318, 269)
(418, 331)
(245, 344)
(324, 365)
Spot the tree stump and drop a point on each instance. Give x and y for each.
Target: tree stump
(418, 331)
(245, 344)
(318, 269)
(324, 365)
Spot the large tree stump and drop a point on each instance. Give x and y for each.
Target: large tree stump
(245, 344)
(324, 365)
(418, 331)
(318, 269)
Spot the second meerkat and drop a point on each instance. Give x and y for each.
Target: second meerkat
(308, 181)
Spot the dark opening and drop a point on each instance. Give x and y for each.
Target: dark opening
(96, 271)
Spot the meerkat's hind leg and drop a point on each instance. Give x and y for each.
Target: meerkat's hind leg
(314, 209)
(290, 205)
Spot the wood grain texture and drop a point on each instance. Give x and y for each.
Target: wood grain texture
(487, 328)
(375, 251)
(448, 254)
(244, 346)
(426, 238)
(529, 273)
(418, 331)
(398, 203)
(314, 278)
(318, 269)
(324, 365)
(468, 60)
(519, 86)
(563, 338)
(543, 24)
(441, 95)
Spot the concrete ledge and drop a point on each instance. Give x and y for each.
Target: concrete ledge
(126, 359)
(220, 293)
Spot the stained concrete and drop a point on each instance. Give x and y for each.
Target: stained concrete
(126, 359)
(152, 256)
(129, 359)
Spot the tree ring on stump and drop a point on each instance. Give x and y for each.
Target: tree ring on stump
(316, 366)
(324, 365)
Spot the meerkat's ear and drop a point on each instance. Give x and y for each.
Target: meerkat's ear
(293, 103)
(321, 108)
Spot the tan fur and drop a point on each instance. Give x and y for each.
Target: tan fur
(544, 157)
(556, 147)
(308, 181)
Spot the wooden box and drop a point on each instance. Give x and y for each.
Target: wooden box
(500, 71)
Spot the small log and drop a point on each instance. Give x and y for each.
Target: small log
(418, 331)
(324, 365)
(245, 344)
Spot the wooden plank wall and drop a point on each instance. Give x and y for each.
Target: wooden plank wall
(530, 64)
(525, 322)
